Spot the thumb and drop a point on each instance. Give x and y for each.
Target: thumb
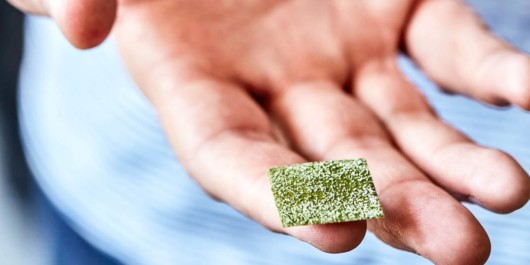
(85, 23)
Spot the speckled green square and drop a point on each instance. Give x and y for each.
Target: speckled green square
(324, 192)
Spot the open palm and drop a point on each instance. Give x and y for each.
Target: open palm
(242, 86)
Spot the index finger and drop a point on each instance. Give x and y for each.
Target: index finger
(225, 141)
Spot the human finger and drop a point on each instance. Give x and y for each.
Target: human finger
(453, 46)
(482, 175)
(85, 23)
(226, 142)
(325, 123)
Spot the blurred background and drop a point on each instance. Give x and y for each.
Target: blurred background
(21, 242)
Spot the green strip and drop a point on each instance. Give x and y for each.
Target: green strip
(324, 192)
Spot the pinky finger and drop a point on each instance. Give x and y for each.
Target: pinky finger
(453, 46)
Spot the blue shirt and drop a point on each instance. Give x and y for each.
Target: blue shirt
(99, 153)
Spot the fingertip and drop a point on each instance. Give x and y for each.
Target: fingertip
(332, 238)
(422, 218)
(510, 195)
(460, 238)
(508, 187)
(477, 244)
(85, 23)
(519, 81)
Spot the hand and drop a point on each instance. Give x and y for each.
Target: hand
(86, 23)
(223, 75)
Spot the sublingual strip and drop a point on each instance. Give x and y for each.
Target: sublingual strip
(324, 192)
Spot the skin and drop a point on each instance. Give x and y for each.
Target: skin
(247, 85)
